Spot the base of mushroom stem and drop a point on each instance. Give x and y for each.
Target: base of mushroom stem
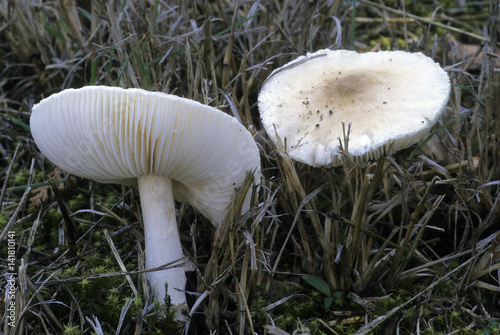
(182, 313)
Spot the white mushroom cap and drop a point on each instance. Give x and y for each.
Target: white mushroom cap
(115, 135)
(391, 99)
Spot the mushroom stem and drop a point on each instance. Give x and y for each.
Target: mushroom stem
(162, 239)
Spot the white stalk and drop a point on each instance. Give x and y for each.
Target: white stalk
(162, 241)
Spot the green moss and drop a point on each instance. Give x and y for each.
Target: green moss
(72, 330)
(345, 329)
(93, 260)
(285, 322)
(112, 303)
(101, 269)
(4, 219)
(85, 285)
(20, 178)
(77, 202)
(98, 237)
(108, 261)
(40, 177)
(137, 305)
(298, 309)
(68, 272)
(54, 215)
(445, 290)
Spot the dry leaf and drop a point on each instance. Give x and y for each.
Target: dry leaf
(43, 194)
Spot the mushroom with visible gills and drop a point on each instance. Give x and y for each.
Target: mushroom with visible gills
(171, 147)
(391, 98)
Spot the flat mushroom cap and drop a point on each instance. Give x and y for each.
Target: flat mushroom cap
(115, 135)
(391, 98)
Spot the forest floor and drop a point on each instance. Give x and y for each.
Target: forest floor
(405, 244)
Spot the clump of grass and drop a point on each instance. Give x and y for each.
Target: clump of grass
(407, 243)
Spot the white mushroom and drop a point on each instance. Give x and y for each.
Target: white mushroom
(173, 148)
(392, 99)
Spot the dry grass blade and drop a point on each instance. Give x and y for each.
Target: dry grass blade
(7, 175)
(95, 324)
(44, 304)
(297, 215)
(432, 22)
(405, 249)
(373, 324)
(13, 218)
(120, 262)
(176, 263)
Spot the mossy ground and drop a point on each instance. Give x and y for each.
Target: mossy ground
(407, 244)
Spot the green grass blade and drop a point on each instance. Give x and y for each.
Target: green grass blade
(93, 66)
(318, 283)
(127, 61)
(36, 185)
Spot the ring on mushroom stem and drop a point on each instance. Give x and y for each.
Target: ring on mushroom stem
(171, 147)
(384, 94)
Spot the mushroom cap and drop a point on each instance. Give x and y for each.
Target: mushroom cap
(115, 135)
(391, 99)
